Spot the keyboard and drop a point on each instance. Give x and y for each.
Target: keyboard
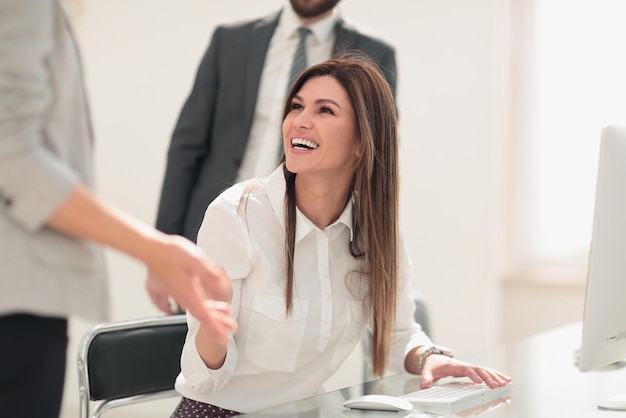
(454, 396)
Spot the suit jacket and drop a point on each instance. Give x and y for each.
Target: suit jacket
(45, 149)
(210, 138)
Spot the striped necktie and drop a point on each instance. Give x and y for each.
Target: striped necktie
(297, 66)
(299, 58)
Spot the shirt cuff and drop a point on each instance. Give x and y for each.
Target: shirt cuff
(200, 377)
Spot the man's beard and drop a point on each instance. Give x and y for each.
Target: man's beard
(312, 8)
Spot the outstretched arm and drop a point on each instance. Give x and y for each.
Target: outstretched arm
(178, 264)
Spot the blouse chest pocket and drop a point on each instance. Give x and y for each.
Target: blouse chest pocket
(273, 338)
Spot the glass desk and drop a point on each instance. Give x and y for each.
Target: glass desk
(546, 383)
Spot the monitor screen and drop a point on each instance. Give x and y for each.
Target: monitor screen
(604, 319)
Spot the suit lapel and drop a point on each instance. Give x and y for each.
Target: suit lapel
(345, 37)
(260, 38)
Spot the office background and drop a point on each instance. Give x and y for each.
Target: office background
(464, 104)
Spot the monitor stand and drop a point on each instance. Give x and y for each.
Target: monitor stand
(615, 402)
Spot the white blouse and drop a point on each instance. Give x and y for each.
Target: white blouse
(274, 358)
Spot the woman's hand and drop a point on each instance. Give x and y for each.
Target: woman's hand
(437, 366)
(212, 342)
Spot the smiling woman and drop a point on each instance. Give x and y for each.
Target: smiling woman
(319, 137)
(330, 103)
(315, 257)
(138, 77)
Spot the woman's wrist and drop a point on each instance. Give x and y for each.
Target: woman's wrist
(426, 351)
(211, 351)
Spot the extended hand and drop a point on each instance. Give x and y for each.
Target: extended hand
(186, 274)
(160, 297)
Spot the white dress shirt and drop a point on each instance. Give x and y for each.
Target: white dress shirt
(274, 358)
(264, 144)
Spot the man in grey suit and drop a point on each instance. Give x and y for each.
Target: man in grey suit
(229, 127)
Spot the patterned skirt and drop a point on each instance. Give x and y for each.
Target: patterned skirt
(188, 408)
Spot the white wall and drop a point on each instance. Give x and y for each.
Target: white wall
(140, 57)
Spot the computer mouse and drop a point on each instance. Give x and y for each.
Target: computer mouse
(379, 403)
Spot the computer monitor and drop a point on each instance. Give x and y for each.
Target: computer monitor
(604, 318)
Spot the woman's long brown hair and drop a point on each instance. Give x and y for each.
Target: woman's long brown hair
(375, 191)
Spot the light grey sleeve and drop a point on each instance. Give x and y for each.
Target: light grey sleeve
(34, 181)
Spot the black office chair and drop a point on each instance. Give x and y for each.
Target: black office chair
(127, 362)
(421, 317)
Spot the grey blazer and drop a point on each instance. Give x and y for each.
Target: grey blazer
(210, 138)
(45, 149)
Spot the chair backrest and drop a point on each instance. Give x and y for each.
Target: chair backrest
(421, 317)
(126, 362)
